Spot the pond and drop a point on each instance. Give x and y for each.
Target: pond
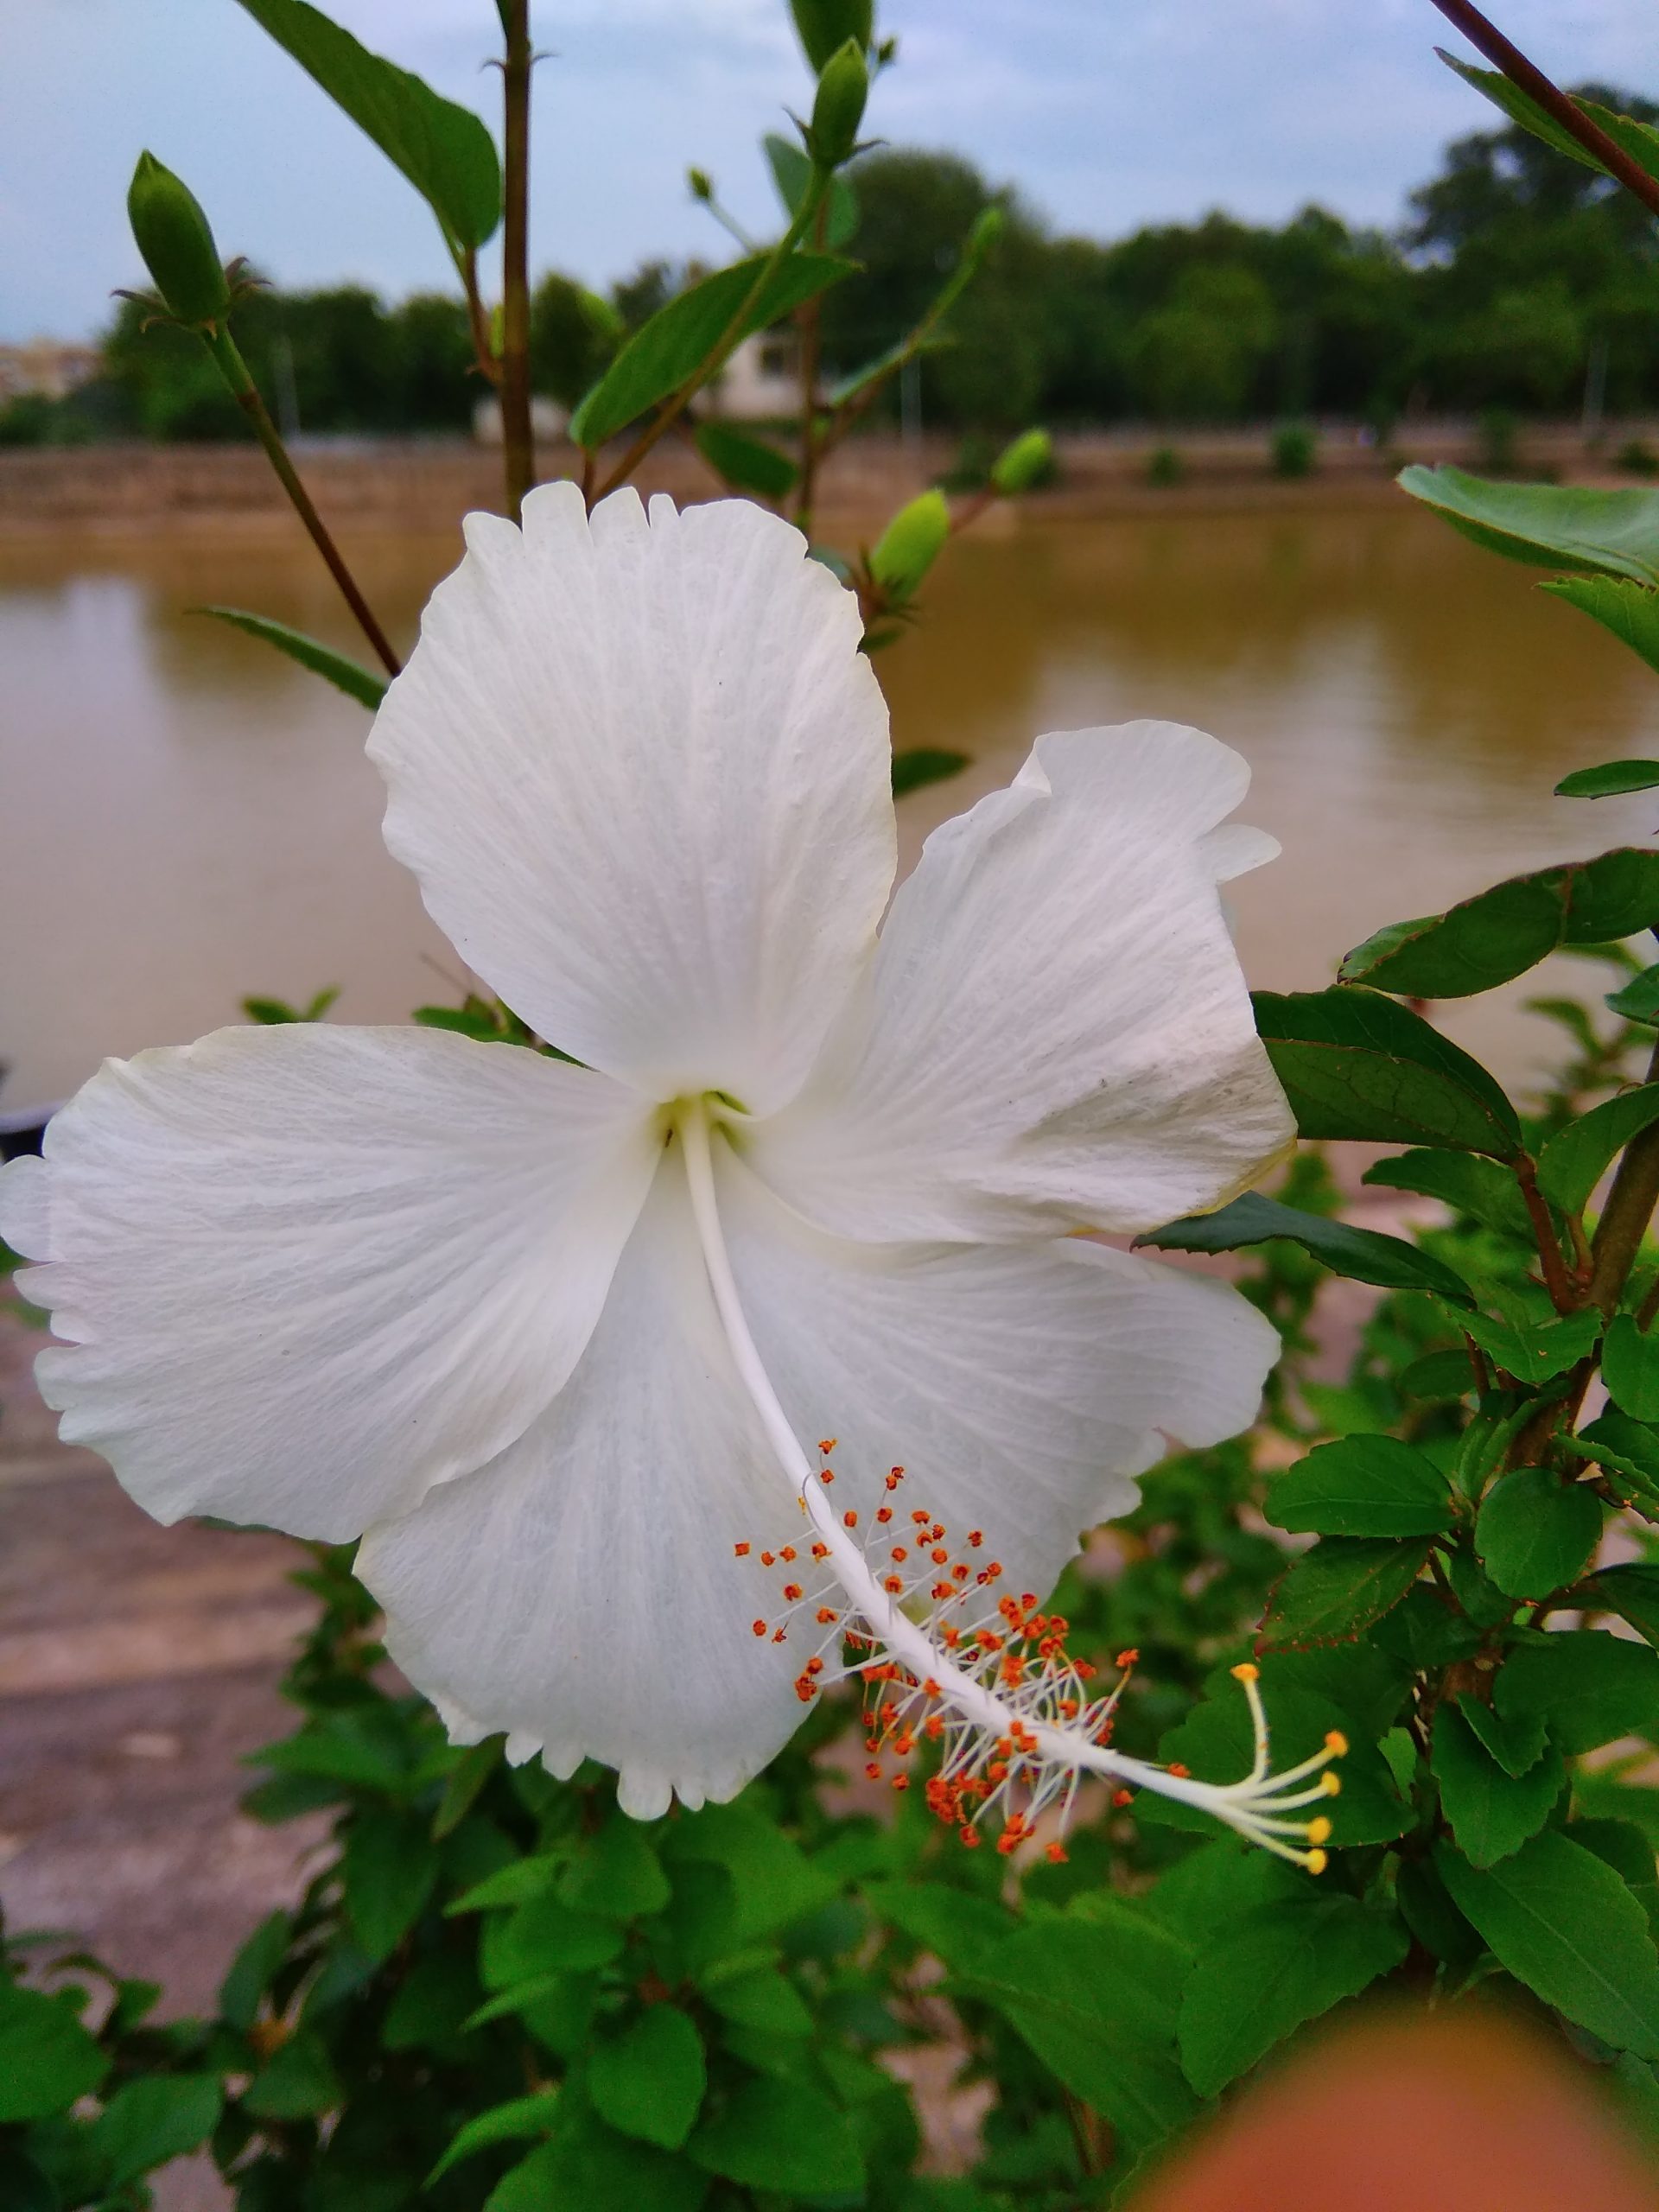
(186, 818)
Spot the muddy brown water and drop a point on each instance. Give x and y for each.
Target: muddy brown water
(185, 818)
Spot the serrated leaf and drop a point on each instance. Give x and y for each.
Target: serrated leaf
(1632, 1593)
(1638, 141)
(1340, 1588)
(47, 2058)
(512, 2122)
(1280, 1965)
(1515, 1740)
(747, 464)
(1638, 1000)
(1571, 1164)
(345, 674)
(1361, 1486)
(924, 764)
(1612, 777)
(1362, 1254)
(1500, 933)
(1356, 1064)
(1491, 1813)
(1468, 1182)
(1554, 526)
(779, 2135)
(1534, 1352)
(1629, 1367)
(1590, 1686)
(443, 149)
(669, 350)
(791, 172)
(1559, 1920)
(649, 2081)
(1535, 1533)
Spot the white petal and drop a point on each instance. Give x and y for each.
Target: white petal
(641, 771)
(1057, 1034)
(1021, 1386)
(581, 1591)
(309, 1271)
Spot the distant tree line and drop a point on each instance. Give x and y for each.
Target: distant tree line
(1517, 277)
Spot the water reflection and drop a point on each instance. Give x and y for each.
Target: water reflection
(186, 817)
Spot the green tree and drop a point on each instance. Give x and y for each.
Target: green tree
(573, 335)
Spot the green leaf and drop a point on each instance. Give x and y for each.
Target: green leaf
(155, 2117)
(1515, 1741)
(444, 150)
(545, 1935)
(649, 2080)
(389, 1870)
(1552, 526)
(1466, 1181)
(1629, 1367)
(1096, 1998)
(954, 1924)
(1534, 1351)
(774, 1881)
(1361, 1486)
(616, 1873)
(515, 1884)
(431, 2002)
(747, 464)
(758, 1997)
(1613, 777)
(253, 1969)
(1500, 933)
(1280, 1965)
(1356, 1064)
(1559, 1920)
(47, 2058)
(1630, 611)
(1437, 1375)
(1628, 1453)
(1571, 1164)
(589, 2168)
(1590, 1686)
(1340, 1588)
(669, 350)
(1638, 1000)
(1632, 1593)
(1491, 1813)
(781, 2135)
(1362, 1254)
(1535, 1533)
(924, 764)
(791, 172)
(345, 675)
(506, 2123)
(1639, 140)
(467, 1779)
(297, 2081)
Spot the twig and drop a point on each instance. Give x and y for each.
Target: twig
(518, 431)
(1564, 1296)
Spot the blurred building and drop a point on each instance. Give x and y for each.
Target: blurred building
(46, 366)
(760, 383)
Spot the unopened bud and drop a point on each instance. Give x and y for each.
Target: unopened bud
(173, 237)
(1028, 461)
(701, 183)
(910, 544)
(987, 228)
(839, 108)
(824, 25)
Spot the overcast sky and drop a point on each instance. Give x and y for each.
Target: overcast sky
(1107, 113)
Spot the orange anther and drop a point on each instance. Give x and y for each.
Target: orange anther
(779, 1636)
(768, 1560)
(919, 1518)
(1175, 1767)
(1335, 1743)
(850, 1520)
(1126, 1659)
(825, 1476)
(939, 1555)
(759, 1628)
(895, 1476)
(873, 1770)
(893, 1584)
(805, 1689)
(814, 1666)
(826, 1614)
(787, 1554)
(901, 1781)
(970, 1837)
(741, 1550)
(792, 1592)
(820, 1551)
(975, 1537)
(932, 1727)
(883, 1515)
(826, 1444)
(1055, 1854)
(1122, 1796)
(899, 1554)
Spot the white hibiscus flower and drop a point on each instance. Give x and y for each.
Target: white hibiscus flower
(548, 1332)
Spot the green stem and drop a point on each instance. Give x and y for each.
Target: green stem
(810, 324)
(676, 405)
(518, 433)
(1629, 1210)
(235, 371)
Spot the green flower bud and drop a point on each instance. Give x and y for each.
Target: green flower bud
(824, 25)
(1027, 462)
(173, 236)
(910, 544)
(839, 108)
(989, 226)
(701, 183)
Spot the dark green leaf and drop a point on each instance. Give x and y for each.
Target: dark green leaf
(1632, 1593)
(616, 1873)
(1561, 1919)
(759, 1998)
(155, 2117)
(1502, 932)
(1535, 1533)
(1552, 526)
(824, 26)
(747, 464)
(1357, 1064)
(1571, 1164)
(781, 2135)
(1630, 611)
(1591, 1687)
(1628, 1453)
(1629, 1367)
(1613, 777)
(345, 675)
(1639, 998)
(47, 2058)
(431, 2003)
(444, 150)
(1361, 1486)
(589, 2168)
(1534, 1351)
(1362, 1255)
(297, 2081)
(1515, 1740)
(954, 1924)
(774, 1881)
(1466, 1181)
(649, 2080)
(791, 172)
(507, 2123)
(1340, 1588)
(514, 1884)
(1438, 1374)
(253, 1969)
(924, 764)
(471, 1771)
(1491, 1813)
(542, 1936)
(389, 1869)
(669, 350)
(1280, 1965)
